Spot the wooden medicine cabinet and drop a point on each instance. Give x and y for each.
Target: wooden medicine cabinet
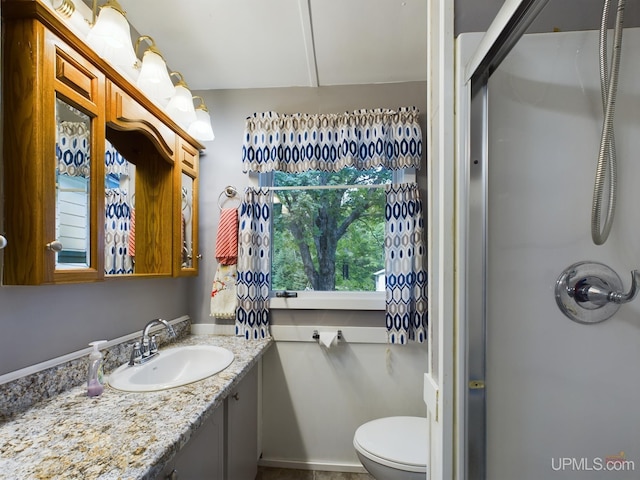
(93, 169)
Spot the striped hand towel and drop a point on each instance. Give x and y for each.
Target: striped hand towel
(131, 244)
(227, 238)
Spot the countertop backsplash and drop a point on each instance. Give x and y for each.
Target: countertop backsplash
(21, 394)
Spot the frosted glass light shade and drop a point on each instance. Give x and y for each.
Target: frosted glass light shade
(201, 128)
(110, 38)
(180, 107)
(154, 78)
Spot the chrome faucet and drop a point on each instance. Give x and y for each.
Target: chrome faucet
(147, 347)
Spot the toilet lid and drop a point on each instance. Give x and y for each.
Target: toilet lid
(397, 440)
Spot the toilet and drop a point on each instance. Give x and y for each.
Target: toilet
(393, 448)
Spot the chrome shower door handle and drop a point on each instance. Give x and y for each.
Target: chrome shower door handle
(591, 292)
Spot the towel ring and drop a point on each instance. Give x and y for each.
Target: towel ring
(230, 192)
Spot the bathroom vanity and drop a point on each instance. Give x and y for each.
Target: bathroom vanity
(205, 428)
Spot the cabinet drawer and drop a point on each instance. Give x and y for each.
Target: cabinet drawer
(75, 76)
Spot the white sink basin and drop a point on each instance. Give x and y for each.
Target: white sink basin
(172, 367)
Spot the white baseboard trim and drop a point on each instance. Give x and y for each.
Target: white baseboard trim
(319, 466)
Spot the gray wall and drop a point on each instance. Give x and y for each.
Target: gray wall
(43, 322)
(315, 398)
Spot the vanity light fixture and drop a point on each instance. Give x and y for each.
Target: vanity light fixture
(201, 128)
(67, 10)
(110, 35)
(154, 77)
(180, 107)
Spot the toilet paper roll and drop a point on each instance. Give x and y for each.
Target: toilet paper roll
(328, 339)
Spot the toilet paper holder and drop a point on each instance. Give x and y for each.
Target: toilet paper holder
(316, 335)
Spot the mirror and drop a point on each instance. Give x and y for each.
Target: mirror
(73, 172)
(119, 206)
(187, 221)
(139, 220)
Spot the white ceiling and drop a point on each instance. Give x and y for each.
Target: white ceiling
(230, 44)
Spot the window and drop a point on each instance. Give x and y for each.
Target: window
(328, 236)
(323, 240)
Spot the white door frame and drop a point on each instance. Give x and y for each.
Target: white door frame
(439, 381)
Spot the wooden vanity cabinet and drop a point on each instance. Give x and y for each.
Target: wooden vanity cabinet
(53, 81)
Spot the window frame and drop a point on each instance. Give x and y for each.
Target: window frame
(331, 300)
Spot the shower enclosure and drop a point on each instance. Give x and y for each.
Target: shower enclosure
(543, 396)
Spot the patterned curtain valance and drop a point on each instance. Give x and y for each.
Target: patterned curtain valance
(363, 139)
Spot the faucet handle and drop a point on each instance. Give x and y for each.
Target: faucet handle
(153, 345)
(172, 331)
(144, 347)
(136, 354)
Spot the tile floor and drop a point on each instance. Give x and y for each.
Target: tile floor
(265, 473)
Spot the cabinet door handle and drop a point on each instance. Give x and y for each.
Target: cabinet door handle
(3, 242)
(236, 396)
(55, 246)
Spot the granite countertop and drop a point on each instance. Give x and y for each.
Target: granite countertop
(119, 435)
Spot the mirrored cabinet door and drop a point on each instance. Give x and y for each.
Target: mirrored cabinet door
(77, 149)
(186, 219)
(186, 241)
(51, 136)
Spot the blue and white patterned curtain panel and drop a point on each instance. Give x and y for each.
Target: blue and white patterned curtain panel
(363, 139)
(405, 256)
(116, 232)
(114, 163)
(73, 149)
(254, 265)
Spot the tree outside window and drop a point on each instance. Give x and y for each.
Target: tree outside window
(328, 239)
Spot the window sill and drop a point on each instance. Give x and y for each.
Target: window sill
(331, 301)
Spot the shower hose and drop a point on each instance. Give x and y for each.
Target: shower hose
(607, 151)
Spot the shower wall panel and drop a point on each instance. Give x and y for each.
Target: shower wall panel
(561, 396)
